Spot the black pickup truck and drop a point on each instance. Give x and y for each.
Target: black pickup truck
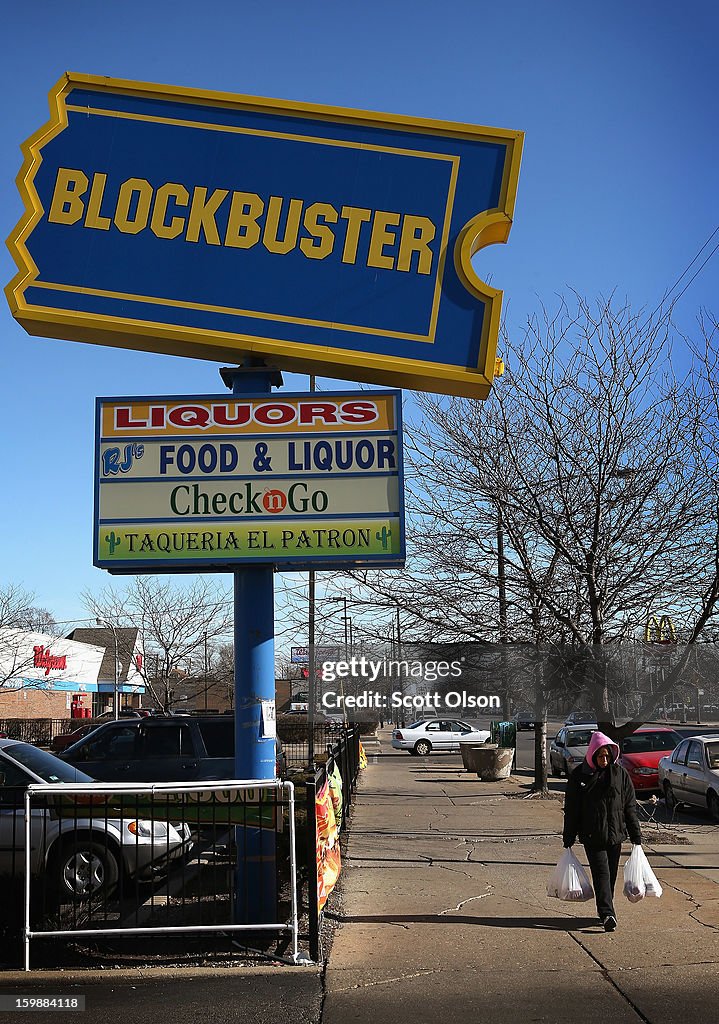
(178, 749)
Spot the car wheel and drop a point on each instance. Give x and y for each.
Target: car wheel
(83, 870)
(670, 797)
(713, 805)
(556, 772)
(422, 747)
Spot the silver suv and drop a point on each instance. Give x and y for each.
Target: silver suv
(80, 854)
(690, 774)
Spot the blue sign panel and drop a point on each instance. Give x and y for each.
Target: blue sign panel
(331, 241)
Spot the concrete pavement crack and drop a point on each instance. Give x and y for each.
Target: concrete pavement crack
(387, 981)
(712, 927)
(451, 910)
(608, 978)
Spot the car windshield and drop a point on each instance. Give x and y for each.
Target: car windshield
(650, 742)
(47, 766)
(416, 725)
(712, 750)
(579, 738)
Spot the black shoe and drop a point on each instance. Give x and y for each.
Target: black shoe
(610, 923)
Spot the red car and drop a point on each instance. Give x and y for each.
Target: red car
(641, 752)
(58, 743)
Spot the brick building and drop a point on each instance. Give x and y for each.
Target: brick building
(44, 676)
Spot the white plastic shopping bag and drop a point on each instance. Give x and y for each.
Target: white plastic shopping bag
(639, 879)
(569, 880)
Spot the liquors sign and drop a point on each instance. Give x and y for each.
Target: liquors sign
(213, 481)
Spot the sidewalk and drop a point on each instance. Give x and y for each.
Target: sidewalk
(446, 914)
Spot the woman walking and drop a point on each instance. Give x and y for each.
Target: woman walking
(600, 808)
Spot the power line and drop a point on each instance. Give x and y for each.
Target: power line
(697, 272)
(683, 274)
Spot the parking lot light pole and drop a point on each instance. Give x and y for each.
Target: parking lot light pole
(116, 685)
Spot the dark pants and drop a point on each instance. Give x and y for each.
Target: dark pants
(604, 865)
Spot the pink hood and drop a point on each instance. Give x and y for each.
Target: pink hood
(597, 740)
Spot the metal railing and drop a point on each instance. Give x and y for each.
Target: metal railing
(295, 739)
(344, 753)
(93, 854)
(39, 731)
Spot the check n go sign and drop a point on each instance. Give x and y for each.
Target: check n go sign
(214, 482)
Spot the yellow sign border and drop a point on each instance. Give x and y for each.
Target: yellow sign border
(487, 228)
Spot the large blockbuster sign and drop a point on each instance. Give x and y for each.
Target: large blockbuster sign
(328, 240)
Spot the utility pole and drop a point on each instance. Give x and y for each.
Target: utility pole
(205, 667)
(312, 680)
(502, 598)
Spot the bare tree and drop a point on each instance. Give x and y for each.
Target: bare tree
(566, 508)
(176, 623)
(19, 616)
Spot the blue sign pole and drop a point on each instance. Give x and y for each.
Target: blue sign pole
(254, 636)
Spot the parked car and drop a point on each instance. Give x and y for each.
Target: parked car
(524, 720)
(197, 749)
(319, 717)
(569, 748)
(580, 718)
(66, 739)
(690, 774)
(79, 854)
(435, 734)
(641, 753)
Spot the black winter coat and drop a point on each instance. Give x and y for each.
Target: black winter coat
(600, 807)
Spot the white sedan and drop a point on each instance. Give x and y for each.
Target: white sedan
(424, 736)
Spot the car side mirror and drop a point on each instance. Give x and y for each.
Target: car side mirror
(559, 743)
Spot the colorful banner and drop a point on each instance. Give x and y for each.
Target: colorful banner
(335, 783)
(329, 862)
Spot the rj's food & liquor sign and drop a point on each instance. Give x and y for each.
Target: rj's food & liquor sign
(213, 482)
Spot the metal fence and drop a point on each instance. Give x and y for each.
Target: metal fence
(135, 859)
(295, 739)
(39, 731)
(163, 858)
(344, 753)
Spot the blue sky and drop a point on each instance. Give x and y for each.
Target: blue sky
(617, 189)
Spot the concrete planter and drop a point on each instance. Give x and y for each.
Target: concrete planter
(468, 747)
(492, 762)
